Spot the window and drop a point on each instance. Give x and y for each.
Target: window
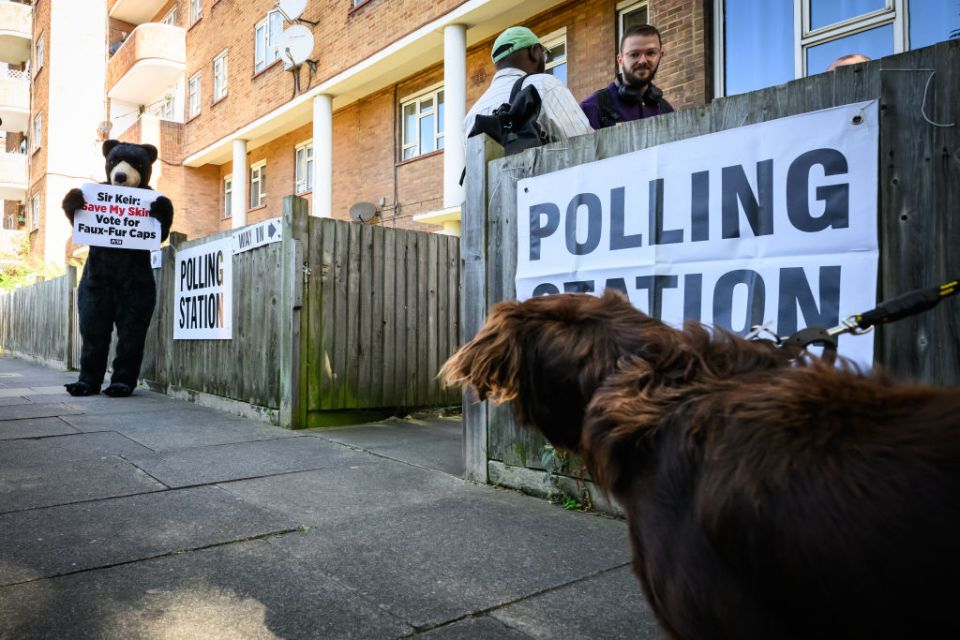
(196, 10)
(630, 13)
(556, 44)
(258, 183)
(171, 17)
(760, 43)
(35, 211)
(39, 51)
(304, 173)
(193, 96)
(37, 130)
(228, 197)
(166, 108)
(220, 77)
(422, 123)
(266, 37)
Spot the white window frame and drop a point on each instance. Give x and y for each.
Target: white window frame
(228, 196)
(39, 52)
(625, 8)
(196, 11)
(303, 167)
(37, 131)
(264, 47)
(893, 12)
(550, 41)
(171, 17)
(35, 211)
(259, 169)
(193, 99)
(438, 135)
(220, 77)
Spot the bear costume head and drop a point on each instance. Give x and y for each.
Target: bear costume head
(128, 164)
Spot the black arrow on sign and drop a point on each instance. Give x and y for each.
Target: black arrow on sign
(271, 230)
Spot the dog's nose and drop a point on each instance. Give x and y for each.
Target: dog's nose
(119, 177)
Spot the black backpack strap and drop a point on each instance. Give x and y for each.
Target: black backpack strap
(608, 115)
(517, 86)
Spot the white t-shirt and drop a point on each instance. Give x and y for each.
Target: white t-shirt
(560, 115)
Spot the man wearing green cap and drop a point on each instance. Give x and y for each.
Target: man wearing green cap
(518, 52)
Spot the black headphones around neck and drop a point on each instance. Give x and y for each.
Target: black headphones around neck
(629, 93)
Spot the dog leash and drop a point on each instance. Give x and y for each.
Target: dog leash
(900, 307)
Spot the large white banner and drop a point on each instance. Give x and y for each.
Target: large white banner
(203, 299)
(771, 224)
(117, 217)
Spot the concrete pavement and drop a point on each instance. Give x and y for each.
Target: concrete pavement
(148, 517)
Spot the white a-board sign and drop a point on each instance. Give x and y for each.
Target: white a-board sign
(117, 217)
(770, 224)
(203, 298)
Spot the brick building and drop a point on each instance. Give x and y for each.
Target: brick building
(205, 82)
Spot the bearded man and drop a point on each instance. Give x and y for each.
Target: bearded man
(632, 95)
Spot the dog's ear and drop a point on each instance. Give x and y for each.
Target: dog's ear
(490, 362)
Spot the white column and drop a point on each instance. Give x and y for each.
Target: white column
(238, 198)
(455, 106)
(322, 156)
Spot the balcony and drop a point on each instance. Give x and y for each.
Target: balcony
(152, 58)
(135, 11)
(15, 100)
(16, 32)
(13, 176)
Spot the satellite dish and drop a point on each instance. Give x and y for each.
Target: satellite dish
(295, 46)
(364, 211)
(292, 9)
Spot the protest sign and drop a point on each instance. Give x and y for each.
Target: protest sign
(117, 217)
(203, 296)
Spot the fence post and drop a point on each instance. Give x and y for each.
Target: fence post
(168, 290)
(473, 294)
(294, 244)
(70, 284)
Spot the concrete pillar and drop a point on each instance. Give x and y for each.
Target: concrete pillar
(238, 201)
(455, 106)
(322, 156)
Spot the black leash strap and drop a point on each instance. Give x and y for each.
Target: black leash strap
(901, 307)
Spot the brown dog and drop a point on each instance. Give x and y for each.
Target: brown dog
(766, 499)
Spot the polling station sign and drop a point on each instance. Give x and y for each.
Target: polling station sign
(203, 298)
(117, 217)
(770, 224)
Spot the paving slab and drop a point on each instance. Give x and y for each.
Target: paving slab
(477, 628)
(608, 606)
(6, 402)
(73, 446)
(433, 445)
(180, 427)
(352, 493)
(139, 401)
(60, 483)
(462, 554)
(37, 410)
(34, 428)
(64, 539)
(244, 590)
(221, 463)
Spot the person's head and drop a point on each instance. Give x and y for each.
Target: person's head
(519, 48)
(641, 50)
(851, 58)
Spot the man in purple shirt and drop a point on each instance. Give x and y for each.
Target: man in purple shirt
(632, 95)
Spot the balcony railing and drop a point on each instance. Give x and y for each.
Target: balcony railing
(152, 58)
(135, 11)
(15, 32)
(13, 176)
(15, 100)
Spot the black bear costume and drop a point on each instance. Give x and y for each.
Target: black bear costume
(117, 286)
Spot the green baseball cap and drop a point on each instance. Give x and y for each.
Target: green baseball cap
(513, 39)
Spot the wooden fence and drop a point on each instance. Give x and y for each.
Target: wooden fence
(337, 318)
(919, 188)
(36, 322)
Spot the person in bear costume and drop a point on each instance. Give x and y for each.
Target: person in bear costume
(117, 286)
